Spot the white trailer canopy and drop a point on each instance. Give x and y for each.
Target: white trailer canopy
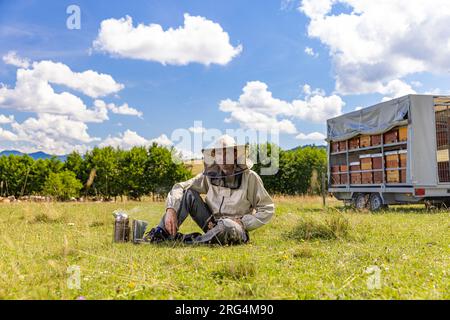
(415, 110)
(373, 120)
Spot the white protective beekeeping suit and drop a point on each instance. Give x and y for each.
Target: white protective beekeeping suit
(250, 201)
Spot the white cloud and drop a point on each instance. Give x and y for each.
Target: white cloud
(377, 42)
(313, 136)
(60, 125)
(129, 139)
(257, 109)
(12, 59)
(6, 135)
(199, 40)
(162, 140)
(33, 92)
(125, 140)
(6, 119)
(89, 82)
(123, 109)
(310, 52)
(396, 88)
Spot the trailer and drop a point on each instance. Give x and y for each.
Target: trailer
(395, 152)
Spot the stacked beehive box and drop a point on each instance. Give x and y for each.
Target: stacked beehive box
(353, 143)
(392, 165)
(375, 140)
(343, 173)
(366, 167)
(364, 141)
(377, 164)
(402, 134)
(403, 159)
(391, 136)
(369, 168)
(335, 176)
(355, 177)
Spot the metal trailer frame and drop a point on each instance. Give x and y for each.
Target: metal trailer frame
(422, 181)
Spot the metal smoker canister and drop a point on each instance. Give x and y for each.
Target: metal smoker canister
(121, 227)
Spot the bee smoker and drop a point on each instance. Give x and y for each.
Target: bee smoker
(121, 227)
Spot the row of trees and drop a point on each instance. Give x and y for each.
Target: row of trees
(102, 173)
(108, 173)
(299, 170)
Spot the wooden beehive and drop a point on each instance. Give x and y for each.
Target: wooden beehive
(343, 168)
(366, 161)
(366, 177)
(364, 141)
(355, 178)
(342, 145)
(378, 177)
(377, 161)
(375, 140)
(403, 133)
(392, 159)
(335, 178)
(392, 176)
(391, 136)
(403, 156)
(344, 178)
(403, 175)
(353, 143)
(355, 166)
(335, 168)
(335, 147)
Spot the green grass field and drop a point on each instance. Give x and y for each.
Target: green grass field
(304, 253)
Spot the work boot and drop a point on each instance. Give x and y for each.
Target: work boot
(156, 235)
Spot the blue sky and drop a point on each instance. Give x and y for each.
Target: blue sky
(270, 40)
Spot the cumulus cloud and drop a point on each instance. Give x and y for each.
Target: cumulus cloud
(13, 59)
(6, 119)
(125, 140)
(257, 109)
(129, 139)
(199, 40)
(396, 88)
(313, 136)
(6, 135)
(60, 125)
(123, 109)
(33, 91)
(376, 42)
(162, 140)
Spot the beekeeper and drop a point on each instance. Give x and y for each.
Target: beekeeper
(236, 201)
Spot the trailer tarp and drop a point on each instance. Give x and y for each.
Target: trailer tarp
(373, 120)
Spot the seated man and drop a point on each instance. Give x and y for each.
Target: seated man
(236, 201)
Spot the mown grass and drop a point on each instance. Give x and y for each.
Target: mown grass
(306, 252)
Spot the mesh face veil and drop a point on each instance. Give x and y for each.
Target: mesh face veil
(225, 165)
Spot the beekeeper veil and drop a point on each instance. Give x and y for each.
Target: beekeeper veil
(225, 161)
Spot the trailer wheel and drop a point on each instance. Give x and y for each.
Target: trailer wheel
(375, 202)
(361, 201)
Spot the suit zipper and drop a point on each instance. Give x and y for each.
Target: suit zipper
(220, 208)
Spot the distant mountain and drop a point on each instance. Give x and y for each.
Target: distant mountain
(34, 155)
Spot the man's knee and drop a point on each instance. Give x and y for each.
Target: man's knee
(191, 195)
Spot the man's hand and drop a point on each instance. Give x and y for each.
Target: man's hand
(171, 221)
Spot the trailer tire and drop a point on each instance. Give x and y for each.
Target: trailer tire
(360, 201)
(375, 202)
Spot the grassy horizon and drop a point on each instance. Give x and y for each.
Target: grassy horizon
(305, 252)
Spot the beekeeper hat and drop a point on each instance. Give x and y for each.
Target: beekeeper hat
(225, 150)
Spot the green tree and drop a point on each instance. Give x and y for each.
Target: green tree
(62, 185)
